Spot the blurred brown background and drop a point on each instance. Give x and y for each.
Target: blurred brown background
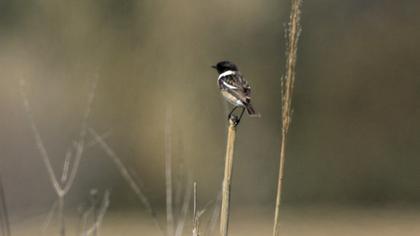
(354, 138)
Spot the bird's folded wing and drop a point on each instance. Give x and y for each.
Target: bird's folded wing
(237, 86)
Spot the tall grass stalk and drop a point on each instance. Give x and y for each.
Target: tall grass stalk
(4, 216)
(288, 80)
(168, 175)
(196, 230)
(224, 213)
(184, 207)
(215, 214)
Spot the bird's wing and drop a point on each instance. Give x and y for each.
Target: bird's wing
(237, 86)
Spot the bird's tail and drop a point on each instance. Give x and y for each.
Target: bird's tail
(251, 111)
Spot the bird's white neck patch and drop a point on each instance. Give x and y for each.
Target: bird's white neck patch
(229, 72)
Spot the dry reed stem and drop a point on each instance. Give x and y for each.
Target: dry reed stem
(197, 213)
(287, 95)
(126, 176)
(4, 216)
(195, 231)
(184, 208)
(224, 216)
(168, 175)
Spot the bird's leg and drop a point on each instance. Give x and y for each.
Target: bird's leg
(231, 112)
(242, 113)
(234, 118)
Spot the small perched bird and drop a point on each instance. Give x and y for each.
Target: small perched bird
(234, 88)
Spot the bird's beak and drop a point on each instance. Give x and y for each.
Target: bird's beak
(213, 66)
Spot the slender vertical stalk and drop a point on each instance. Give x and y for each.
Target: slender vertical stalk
(215, 214)
(49, 217)
(287, 95)
(168, 175)
(61, 215)
(184, 208)
(4, 216)
(195, 215)
(224, 217)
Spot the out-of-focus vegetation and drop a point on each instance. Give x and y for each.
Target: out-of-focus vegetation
(354, 136)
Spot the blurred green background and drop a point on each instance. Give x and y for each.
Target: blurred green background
(354, 138)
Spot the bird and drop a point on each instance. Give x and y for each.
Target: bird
(234, 88)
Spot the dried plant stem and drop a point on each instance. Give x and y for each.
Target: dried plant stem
(61, 215)
(4, 216)
(168, 175)
(69, 173)
(215, 214)
(224, 214)
(61, 190)
(197, 213)
(126, 175)
(287, 95)
(94, 229)
(49, 217)
(195, 231)
(184, 207)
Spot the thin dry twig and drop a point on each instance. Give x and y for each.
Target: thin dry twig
(197, 213)
(49, 217)
(224, 216)
(215, 215)
(126, 176)
(99, 218)
(185, 205)
(168, 175)
(85, 217)
(195, 231)
(4, 216)
(287, 95)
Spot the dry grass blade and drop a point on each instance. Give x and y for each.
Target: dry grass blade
(224, 216)
(287, 95)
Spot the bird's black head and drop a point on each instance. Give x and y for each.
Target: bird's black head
(225, 66)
